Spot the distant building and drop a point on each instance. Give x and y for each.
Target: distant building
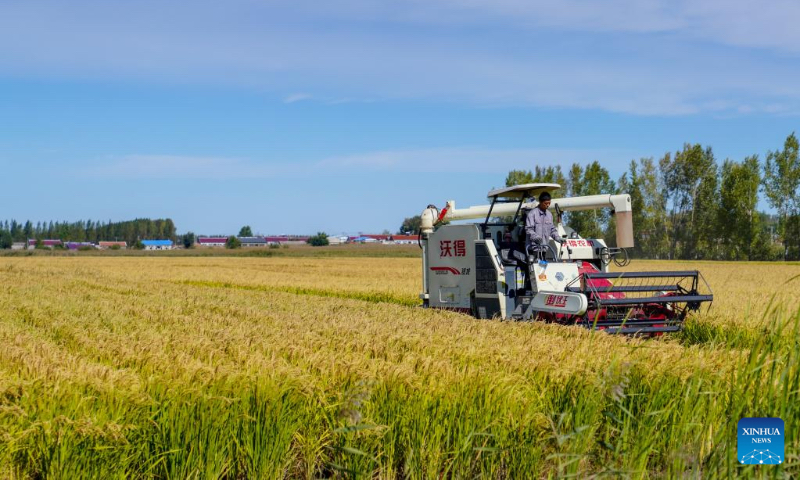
(32, 242)
(363, 239)
(285, 240)
(275, 240)
(211, 241)
(77, 245)
(337, 240)
(404, 239)
(18, 246)
(157, 244)
(109, 244)
(385, 239)
(296, 240)
(369, 238)
(253, 241)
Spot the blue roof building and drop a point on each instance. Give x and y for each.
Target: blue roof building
(157, 244)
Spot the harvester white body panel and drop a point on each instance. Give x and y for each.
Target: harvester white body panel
(451, 267)
(553, 276)
(559, 302)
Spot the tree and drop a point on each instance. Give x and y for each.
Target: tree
(169, 229)
(738, 220)
(80, 230)
(642, 183)
(5, 239)
(518, 177)
(705, 233)
(246, 231)
(138, 245)
(16, 231)
(538, 175)
(792, 244)
(551, 175)
(593, 180)
(233, 242)
(188, 240)
(781, 182)
(318, 240)
(410, 225)
(690, 184)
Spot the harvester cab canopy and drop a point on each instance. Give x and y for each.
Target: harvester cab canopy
(521, 192)
(517, 194)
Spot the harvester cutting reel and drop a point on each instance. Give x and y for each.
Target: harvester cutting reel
(622, 302)
(617, 302)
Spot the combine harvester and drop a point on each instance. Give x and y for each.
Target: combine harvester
(486, 270)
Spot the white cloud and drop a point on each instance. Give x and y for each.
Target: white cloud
(432, 160)
(296, 97)
(732, 22)
(647, 57)
(768, 25)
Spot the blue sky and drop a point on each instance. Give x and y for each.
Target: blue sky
(296, 117)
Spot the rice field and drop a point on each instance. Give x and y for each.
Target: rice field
(309, 367)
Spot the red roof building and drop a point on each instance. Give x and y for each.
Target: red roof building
(405, 239)
(211, 241)
(44, 243)
(286, 239)
(109, 244)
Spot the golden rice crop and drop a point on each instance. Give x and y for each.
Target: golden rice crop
(308, 367)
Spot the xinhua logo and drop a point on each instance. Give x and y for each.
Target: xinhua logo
(760, 441)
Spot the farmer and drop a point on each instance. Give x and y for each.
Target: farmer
(539, 226)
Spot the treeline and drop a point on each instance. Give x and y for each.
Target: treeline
(687, 205)
(87, 231)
